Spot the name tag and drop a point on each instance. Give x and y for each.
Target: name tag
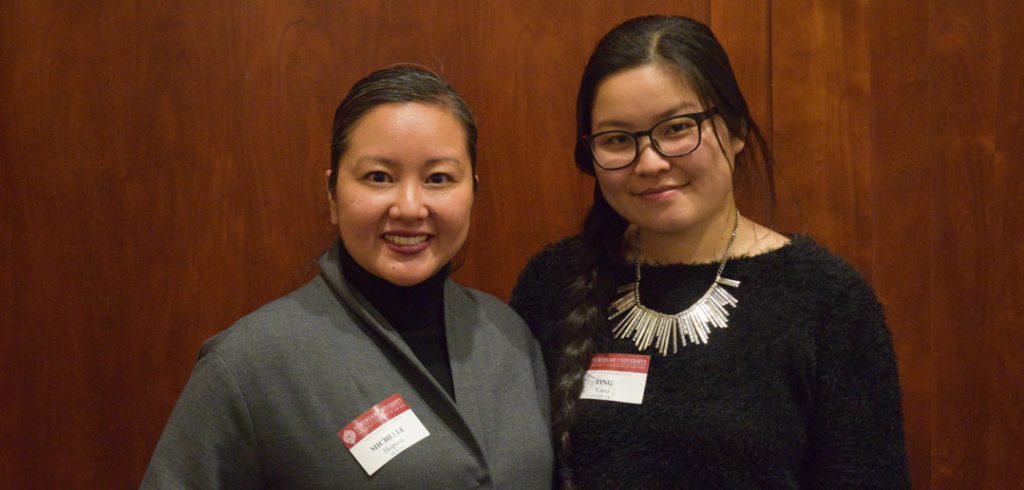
(617, 378)
(382, 432)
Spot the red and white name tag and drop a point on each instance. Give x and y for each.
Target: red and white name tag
(616, 377)
(382, 432)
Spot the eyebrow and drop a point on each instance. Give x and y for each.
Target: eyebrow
(376, 159)
(443, 159)
(392, 163)
(677, 110)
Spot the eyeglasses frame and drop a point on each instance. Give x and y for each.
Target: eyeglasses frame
(698, 117)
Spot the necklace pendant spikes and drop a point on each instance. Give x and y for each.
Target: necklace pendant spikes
(691, 326)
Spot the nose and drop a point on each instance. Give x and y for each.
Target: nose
(409, 204)
(648, 161)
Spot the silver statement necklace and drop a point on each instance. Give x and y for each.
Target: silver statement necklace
(691, 325)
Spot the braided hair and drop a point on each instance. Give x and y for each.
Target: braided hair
(689, 49)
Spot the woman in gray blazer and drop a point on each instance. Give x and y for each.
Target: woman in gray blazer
(380, 372)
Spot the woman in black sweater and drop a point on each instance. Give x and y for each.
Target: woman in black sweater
(690, 347)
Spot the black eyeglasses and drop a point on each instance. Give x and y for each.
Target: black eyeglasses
(672, 137)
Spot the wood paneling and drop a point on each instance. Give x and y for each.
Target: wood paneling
(976, 224)
(898, 129)
(161, 167)
(521, 78)
(744, 30)
(900, 209)
(821, 120)
(162, 172)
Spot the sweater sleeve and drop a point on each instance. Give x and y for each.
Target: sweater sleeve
(527, 295)
(536, 298)
(209, 441)
(857, 433)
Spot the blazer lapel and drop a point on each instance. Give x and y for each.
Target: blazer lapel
(470, 367)
(390, 341)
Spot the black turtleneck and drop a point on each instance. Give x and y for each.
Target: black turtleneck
(416, 312)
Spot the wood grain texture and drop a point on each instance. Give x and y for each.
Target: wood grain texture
(900, 127)
(162, 170)
(977, 226)
(744, 30)
(821, 122)
(900, 210)
(162, 166)
(521, 79)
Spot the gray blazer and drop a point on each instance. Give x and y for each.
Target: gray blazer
(269, 395)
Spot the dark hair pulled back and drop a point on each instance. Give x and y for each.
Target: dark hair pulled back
(688, 48)
(395, 85)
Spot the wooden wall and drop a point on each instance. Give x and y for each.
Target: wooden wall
(899, 126)
(161, 175)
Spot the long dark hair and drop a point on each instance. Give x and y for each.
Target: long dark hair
(688, 48)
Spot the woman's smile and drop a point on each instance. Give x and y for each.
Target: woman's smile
(404, 192)
(405, 243)
(661, 193)
(686, 191)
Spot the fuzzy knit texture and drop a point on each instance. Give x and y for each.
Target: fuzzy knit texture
(800, 391)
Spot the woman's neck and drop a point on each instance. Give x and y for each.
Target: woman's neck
(701, 243)
(403, 306)
(415, 312)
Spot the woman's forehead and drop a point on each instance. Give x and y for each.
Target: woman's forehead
(636, 95)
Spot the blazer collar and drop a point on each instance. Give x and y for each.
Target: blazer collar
(364, 313)
(460, 317)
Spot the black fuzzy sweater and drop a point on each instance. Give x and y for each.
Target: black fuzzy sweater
(800, 391)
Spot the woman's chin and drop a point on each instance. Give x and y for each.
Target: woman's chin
(409, 274)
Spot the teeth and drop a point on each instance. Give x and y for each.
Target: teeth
(405, 240)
